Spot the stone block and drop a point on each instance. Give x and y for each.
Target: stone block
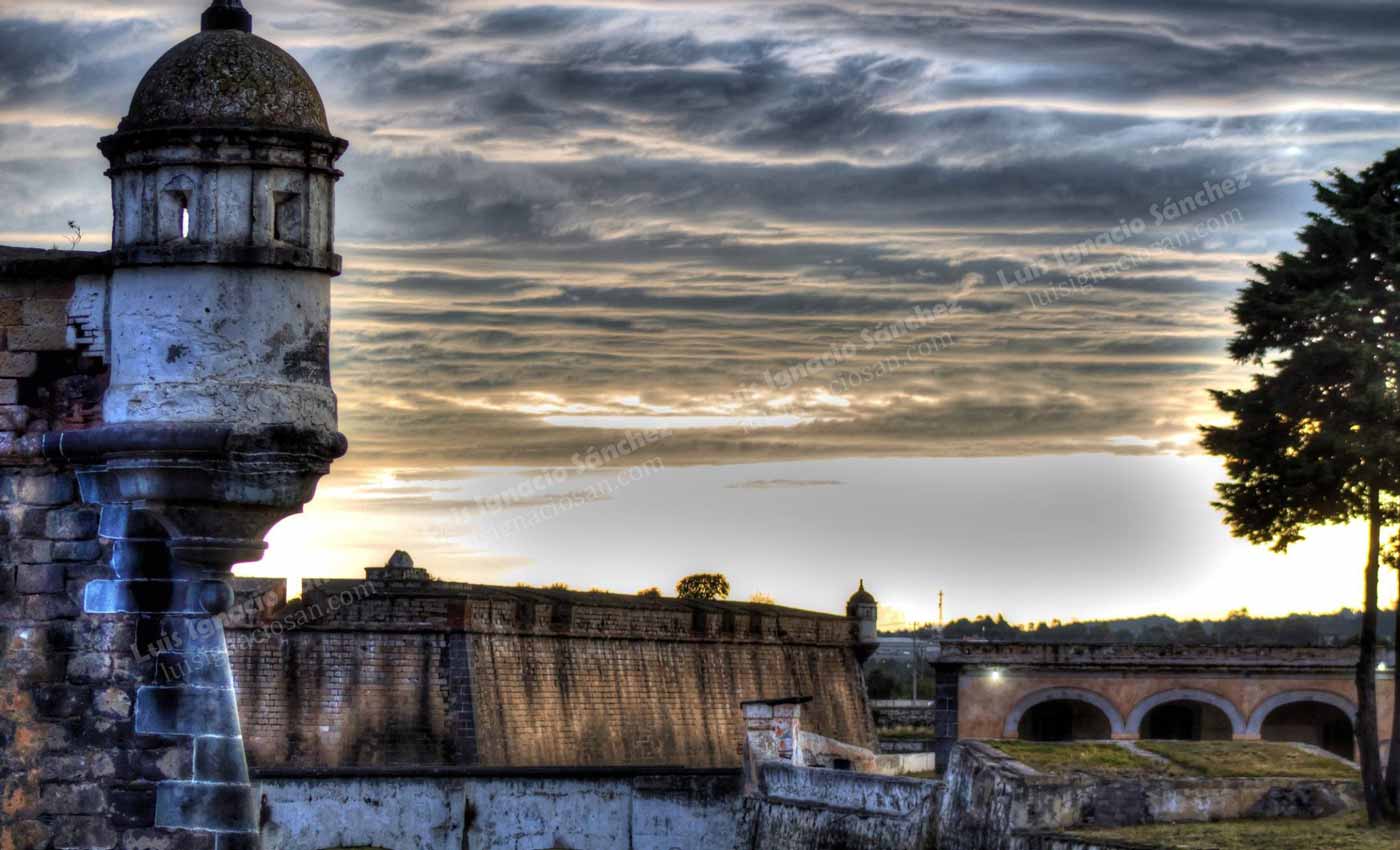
(112, 702)
(69, 551)
(19, 796)
(133, 807)
(31, 521)
(200, 669)
(38, 578)
(31, 551)
(184, 710)
(49, 607)
(102, 731)
(15, 364)
(52, 737)
(45, 311)
(220, 760)
(69, 767)
(85, 833)
(11, 311)
(60, 700)
(75, 523)
(89, 667)
(9, 391)
(13, 417)
(55, 489)
(175, 762)
(222, 807)
(78, 798)
(37, 338)
(30, 833)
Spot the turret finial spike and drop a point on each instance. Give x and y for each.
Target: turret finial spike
(226, 15)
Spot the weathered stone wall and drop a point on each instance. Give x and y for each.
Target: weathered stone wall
(434, 673)
(345, 698)
(61, 688)
(616, 810)
(802, 808)
(991, 801)
(561, 700)
(605, 809)
(72, 774)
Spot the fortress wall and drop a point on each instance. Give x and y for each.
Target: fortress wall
(334, 699)
(548, 700)
(442, 674)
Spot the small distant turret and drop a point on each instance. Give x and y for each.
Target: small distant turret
(862, 608)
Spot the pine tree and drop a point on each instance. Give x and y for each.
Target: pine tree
(1316, 438)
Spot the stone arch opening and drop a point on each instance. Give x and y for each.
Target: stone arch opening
(1064, 714)
(1186, 720)
(1312, 722)
(1185, 714)
(1064, 720)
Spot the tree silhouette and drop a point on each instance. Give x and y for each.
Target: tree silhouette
(707, 586)
(1316, 438)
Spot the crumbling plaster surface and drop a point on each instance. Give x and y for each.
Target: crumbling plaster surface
(243, 345)
(638, 812)
(395, 814)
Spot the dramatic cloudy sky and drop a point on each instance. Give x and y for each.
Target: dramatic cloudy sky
(564, 221)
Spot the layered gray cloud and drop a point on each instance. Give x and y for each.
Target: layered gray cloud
(562, 222)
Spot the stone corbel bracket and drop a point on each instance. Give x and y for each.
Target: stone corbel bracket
(183, 503)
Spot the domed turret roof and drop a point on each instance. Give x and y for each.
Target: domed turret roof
(226, 77)
(860, 597)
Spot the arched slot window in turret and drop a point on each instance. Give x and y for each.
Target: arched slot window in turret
(175, 215)
(286, 217)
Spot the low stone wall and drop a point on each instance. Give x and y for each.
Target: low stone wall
(799, 808)
(792, 808)
(894, 746)
(992, 802)
(902, 712)
(601, 809)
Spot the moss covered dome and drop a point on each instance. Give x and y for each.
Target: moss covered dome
(227, 78)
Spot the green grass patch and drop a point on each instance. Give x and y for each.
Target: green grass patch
(1344, 832)
(1232, 759)
(1098, 759)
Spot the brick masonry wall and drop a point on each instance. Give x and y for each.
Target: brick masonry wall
(72, 775)
(439, 673)
(551, 700)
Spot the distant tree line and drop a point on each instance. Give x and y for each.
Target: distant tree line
(1239, 628)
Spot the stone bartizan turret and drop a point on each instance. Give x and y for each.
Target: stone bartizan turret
(862, 608)
(219, 417)
(223, 191)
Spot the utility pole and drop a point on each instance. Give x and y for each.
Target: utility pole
(914, 663)
(940, 612)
